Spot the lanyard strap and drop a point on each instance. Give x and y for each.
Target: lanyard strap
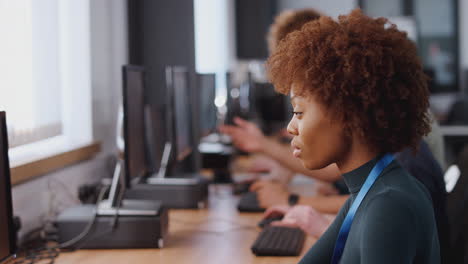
(346, 226)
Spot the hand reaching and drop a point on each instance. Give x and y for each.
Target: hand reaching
(274, 170)
(270, 193)
(245, 135)
(325, 188)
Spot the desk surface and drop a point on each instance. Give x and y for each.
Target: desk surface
(218, 234)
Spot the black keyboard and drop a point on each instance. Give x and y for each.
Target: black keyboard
(241, 187)
(249, 203)
(279, 241)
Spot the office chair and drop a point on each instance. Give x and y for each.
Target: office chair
(457, 211)
(458, 113)
(457, 116)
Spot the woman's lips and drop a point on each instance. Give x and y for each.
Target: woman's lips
(297, 152)
(296, 149)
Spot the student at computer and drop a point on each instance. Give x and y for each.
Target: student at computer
(359, 94)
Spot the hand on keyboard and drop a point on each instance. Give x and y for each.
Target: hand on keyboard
(269, 220)
(277, 210)
(270, 193)
(307, 219)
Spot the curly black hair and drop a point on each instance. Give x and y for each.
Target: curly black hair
(364, 71)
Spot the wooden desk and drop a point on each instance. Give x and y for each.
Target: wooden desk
(219, 234)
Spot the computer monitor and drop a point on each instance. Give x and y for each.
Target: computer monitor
(182, 117)
(7, 232)
(206, 92)
(133, 122)
(272, 108)
(239, 99)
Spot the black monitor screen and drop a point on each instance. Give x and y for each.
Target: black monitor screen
(207, 108)
(238, 99)
(134, 126)
(7, 236)
(182, 113)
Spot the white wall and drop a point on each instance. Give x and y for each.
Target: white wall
(109, 53)
(463, 20)
(41, 199)
(212, 41)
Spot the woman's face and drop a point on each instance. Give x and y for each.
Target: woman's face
(318, 140)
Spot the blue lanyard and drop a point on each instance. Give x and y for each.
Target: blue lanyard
(346, 226)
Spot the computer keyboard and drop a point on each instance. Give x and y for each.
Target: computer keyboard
(241, 187)
(249, 203)
(279, 241)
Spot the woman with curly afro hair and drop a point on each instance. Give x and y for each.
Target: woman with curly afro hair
(359, 95)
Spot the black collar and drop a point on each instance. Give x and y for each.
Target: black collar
(356, 178)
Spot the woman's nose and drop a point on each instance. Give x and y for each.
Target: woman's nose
(292, 128)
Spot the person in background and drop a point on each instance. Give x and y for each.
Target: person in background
(249, 138)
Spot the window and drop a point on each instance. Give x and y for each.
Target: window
(45, 84)
(211, 42)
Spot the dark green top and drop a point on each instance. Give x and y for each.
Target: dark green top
(394, 224)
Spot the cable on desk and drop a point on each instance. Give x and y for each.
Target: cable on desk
(46, 253)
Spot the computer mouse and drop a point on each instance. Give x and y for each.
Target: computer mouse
(267, 221)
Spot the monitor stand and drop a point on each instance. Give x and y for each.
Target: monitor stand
(189, 191)
(217, 138)
(127, 223)
(216, 155)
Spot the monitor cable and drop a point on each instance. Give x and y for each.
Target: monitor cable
(88, 228)
(46, 254)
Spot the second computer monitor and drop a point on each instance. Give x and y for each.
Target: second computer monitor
(133, 125)
(206, 88)
(182, 114)
(7, 233)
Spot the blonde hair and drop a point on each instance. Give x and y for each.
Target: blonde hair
(287, 22)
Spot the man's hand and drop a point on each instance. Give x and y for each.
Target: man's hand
(275, 171)
(270, 193)
(262, 163)
(245, 135)
(276, 211)
(307, 219)
(325, 188)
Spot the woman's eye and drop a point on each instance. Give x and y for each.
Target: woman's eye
(297, 113)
